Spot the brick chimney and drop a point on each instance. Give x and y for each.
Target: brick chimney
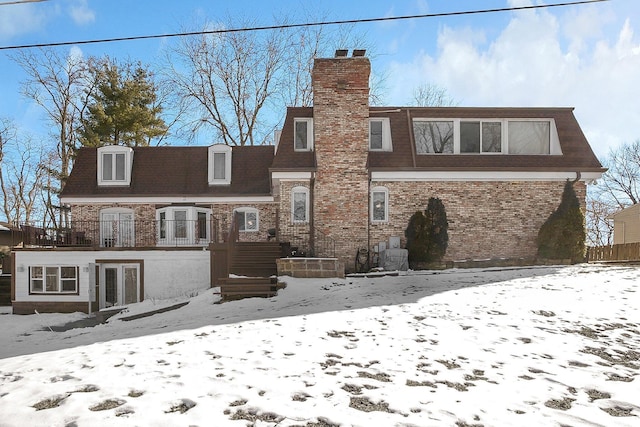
(341, 135)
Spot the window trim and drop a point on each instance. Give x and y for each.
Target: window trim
(385, 191)
(554, 141)
(120, 241)
(59, 290)
(244, 210)
(167, 224)
(309, 121)
(386, 134)
(114, 150)
(216, 149)
(305, 191)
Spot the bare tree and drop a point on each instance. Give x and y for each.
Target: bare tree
(431, 95)
(618, 188)
(59, 84)
(227, 79)
(21, 175)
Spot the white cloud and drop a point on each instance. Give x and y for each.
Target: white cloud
(540, 59)
(20, 19)
(81, 13)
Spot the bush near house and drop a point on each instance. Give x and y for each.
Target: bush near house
(427, 234)
(563, 235)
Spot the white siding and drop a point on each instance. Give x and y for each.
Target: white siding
(626, 225)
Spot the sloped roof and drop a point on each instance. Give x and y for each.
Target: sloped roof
(577, 155)
(175, 171)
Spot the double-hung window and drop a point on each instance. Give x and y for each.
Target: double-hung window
(53, 279)
(303, 134)
(114, 165)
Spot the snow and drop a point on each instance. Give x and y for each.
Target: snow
(493, 347)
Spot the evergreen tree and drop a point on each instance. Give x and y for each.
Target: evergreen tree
(123, 108)
(563, 234)
(427, 234)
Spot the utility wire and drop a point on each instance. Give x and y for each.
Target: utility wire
(308, 24)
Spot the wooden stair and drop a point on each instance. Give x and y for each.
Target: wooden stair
(5, 289)
(254, 269)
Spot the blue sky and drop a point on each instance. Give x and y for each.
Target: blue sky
(587, 57)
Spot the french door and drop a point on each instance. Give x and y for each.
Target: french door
(120, 284)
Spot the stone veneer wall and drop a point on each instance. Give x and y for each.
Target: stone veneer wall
(341, 132)
(486, 219)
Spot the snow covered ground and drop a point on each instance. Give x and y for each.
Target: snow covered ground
(541, 346)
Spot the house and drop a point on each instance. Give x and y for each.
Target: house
(342, 177)
(626, 225)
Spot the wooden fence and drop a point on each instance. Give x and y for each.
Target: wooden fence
(625, 252)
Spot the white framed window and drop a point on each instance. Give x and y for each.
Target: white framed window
(479, 136)
(486, 136)
(300, 204)
(434, 136)
(183, 226)
(58, 279)
(379, 204)
(114, 165)
(219, 164)
(248, 219)
(379, 134)
(303, 134)
(117, 228)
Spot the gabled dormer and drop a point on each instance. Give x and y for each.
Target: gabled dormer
(114, 165)
(219, 164)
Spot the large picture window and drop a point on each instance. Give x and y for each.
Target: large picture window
(53, 279)
(433, 137)
(529, 137)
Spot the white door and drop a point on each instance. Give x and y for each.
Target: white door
(119, 284)
(117, 230)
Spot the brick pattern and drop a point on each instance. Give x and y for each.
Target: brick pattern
(486, 219)
(266, 220)
(141, 212)
(341, 131)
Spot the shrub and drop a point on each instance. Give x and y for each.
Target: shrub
(563, 235)
(427, 234)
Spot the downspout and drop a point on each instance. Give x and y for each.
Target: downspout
(312, 226)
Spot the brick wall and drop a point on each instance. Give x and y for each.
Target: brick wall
(266, 220)
(341, 133)
(486, 219)
(83, 216)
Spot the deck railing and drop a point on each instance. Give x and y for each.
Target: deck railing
(121, 234)
(623, 252)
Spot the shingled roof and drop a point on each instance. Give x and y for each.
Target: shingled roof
(175, 171)
(577, 155)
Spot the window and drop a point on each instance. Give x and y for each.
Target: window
(433, 136)
(303, 134)
(493, 136)
(247, 219)
(183, 226)
(117, 228)
(379, 134)
(480, 137)
(379, 204)
(53, 279)
(114, 165)
(219, 164)
(529, 137)
(300, 204)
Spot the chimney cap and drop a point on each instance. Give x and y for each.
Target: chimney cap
(341, 53)
(359, 52)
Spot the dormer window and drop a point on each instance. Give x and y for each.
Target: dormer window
(303, 134)
(219, 164)
(379, 134)
(114, 165)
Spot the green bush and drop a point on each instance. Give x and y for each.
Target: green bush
(563, 234)
(427, 234)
